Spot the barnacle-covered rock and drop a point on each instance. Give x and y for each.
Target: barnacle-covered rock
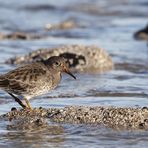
(117, 118)
(113, 117)
(81, 58)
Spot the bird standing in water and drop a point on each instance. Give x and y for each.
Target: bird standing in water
(34, 79)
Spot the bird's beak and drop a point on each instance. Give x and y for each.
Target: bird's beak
(66, 70)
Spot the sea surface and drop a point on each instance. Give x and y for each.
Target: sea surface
(109, 24)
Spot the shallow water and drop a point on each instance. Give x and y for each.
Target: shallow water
(107, 24)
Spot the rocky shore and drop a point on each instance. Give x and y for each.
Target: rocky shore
(112, 117)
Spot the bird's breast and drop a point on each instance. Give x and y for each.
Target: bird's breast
(56, 79)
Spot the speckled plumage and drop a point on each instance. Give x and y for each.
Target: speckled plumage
(34, 79)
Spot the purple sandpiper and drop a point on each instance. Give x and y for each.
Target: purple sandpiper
(34, 79)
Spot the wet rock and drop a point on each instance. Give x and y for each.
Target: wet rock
(20, 36)
(68, 24)
(80, 58)
(118, 118)
(27, 123)
(113, 117)
(26, 119)
(142, 34)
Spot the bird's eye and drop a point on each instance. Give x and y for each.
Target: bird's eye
(57, 63)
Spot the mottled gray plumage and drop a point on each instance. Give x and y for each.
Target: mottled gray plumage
(34, 79)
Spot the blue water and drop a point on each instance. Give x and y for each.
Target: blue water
(107, 24)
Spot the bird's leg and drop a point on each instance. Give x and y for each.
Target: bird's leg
(28, 103)
(17, 100)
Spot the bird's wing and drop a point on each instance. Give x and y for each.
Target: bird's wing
(25, 77)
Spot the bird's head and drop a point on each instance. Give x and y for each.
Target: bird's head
(59, 64)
